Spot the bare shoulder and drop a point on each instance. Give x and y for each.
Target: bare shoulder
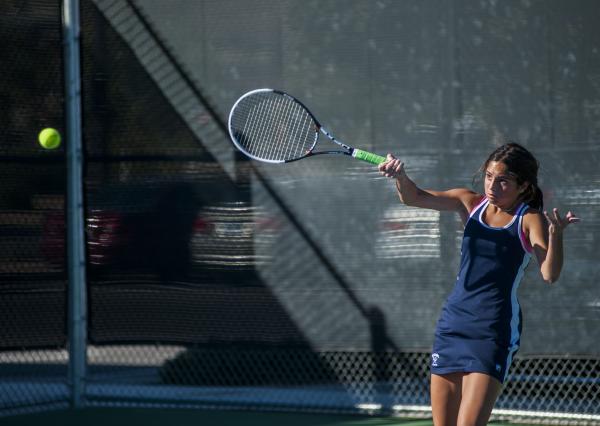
(467, 197)
(462, 200)
(534, 224)
(533, 217)
(471, 199)
(535, 230)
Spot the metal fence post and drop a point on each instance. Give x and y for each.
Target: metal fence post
(75, 219)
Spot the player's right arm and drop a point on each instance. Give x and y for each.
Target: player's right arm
(460, 200)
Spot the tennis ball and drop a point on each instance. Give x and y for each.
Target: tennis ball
(49, 138)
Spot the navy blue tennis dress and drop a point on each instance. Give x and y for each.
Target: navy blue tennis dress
(479, 328)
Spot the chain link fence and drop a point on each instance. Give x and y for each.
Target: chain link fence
(33, 285)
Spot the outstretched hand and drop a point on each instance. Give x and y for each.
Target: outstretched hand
(556, 223)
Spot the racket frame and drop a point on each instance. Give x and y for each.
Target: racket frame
(319, 129)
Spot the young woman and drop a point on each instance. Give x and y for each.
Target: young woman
(478, 332)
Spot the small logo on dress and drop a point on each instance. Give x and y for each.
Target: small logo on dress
(498, 368)
(434, 358)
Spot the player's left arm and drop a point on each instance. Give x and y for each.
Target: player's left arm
(545, 232)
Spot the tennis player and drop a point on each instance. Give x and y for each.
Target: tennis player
(479, 329)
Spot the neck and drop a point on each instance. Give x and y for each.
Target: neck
(511, 209)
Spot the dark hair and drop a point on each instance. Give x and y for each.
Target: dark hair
(524, 166)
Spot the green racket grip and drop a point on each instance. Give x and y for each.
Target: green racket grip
(368, 156)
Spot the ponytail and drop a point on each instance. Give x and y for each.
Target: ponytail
(534, 197)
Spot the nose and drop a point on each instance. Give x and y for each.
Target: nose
(495, 187)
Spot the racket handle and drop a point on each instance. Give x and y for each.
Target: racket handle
(368, 157)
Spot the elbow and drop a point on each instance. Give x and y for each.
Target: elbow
(550, 272)
(550, 278)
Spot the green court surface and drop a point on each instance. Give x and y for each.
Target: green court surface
(179, 417)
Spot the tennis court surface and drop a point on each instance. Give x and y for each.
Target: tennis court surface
(181, 417)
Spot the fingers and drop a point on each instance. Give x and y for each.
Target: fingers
(392, 167)
(551, 220)
(571, 218)
(558, 221)
(383, 167)
(554, 218)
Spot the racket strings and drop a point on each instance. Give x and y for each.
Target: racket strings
(271, 126)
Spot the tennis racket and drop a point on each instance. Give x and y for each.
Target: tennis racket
(271, 126)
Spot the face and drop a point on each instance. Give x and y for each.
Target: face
(501, 187)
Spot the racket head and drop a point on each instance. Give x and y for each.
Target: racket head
(271, 126)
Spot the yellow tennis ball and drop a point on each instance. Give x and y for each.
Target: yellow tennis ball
(49, 138)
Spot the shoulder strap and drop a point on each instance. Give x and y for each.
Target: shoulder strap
(522, 209)
(479, 205)
(524, 242)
